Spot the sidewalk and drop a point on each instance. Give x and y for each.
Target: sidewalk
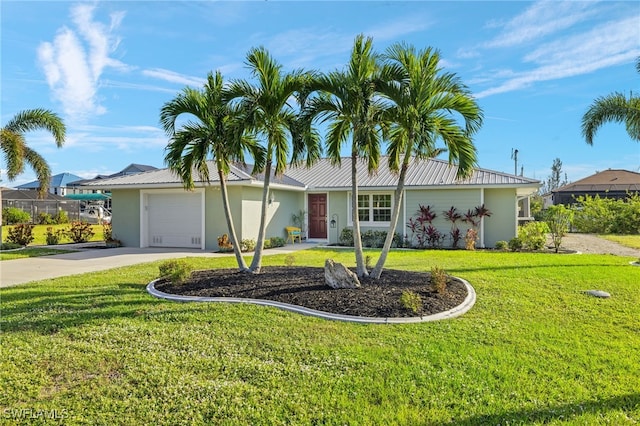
(20, 271)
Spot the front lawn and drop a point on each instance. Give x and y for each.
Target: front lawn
(30, 252)
(632, 241)
(40, 233)
(97, 349)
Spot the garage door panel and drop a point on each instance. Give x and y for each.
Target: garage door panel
(175, 220)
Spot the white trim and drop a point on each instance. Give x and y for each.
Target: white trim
(144, 216)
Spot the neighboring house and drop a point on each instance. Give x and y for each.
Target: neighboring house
(78, 187)
(152, 209)
(615, 184)
(29, 202)
(58, 185)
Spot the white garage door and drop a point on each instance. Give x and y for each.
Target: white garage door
(175, 220)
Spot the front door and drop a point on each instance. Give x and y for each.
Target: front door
(318, 216)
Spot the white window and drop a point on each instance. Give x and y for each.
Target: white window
(374, 208)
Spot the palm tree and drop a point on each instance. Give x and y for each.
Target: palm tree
(615, 107)
(271, 112)
(349, 101)
(427, 107)
(16, 152)
(217, 135)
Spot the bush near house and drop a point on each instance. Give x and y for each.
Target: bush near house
(13, 215)
(79, 232)
(606, 216)
(21, 234)
(533, 235)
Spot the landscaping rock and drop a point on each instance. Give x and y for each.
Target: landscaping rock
(336, 275)
(598, 293)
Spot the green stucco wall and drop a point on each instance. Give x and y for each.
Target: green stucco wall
(440, 200)
(337, 209)
(502, 225)
(125, 219)
(279, 211)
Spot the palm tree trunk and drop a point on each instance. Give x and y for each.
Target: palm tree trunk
(232, 230)
(397, 200)
(256, 262)
(361, 267)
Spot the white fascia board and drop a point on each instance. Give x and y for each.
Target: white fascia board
(272, 185)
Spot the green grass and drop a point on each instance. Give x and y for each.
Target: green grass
(533, 350)
(632, 241)
(40, 233)
(30, 252)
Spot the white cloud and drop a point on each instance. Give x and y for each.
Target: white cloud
(74, 62)
(612, 38)
(173, 77)
(541, 19)
(611, 44)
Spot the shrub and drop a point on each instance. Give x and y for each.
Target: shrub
(289, 260)
(470, 239)
(432, 236)
(346, 237)
(175, 270)
(367, 261)
(107, 231)
(439, 279)
(9, 246)
(515, 244)
(79, 232)
(53, 237)
(456, 236)
(61, 217)
(247, 245)
(533, 235)
(274, 242)
(501, 245)
(13, 215)
(224, 243)
(594, 214)
(373, 239)
(45, 219)
(411, 300)
(558, 220)
(21, 234)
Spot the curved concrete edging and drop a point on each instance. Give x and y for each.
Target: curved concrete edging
(467, 304)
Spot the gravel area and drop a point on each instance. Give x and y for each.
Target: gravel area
(590, 243)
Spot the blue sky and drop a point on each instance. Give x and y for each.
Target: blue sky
(108, 67)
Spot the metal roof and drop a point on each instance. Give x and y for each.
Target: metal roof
(57, 181)
(421, 173)
(323, 175)
(239, 174)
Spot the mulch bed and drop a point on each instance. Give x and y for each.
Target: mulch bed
(304, 286)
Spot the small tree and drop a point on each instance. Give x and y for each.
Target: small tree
(559, 220)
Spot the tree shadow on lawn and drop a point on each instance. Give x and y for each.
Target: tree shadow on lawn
(30, 309)
(626, 403)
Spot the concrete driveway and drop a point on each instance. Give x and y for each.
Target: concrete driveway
(20, 271)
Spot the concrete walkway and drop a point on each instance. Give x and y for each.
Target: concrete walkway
(20, 271)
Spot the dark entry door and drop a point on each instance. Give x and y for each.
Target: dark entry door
(317, 215)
